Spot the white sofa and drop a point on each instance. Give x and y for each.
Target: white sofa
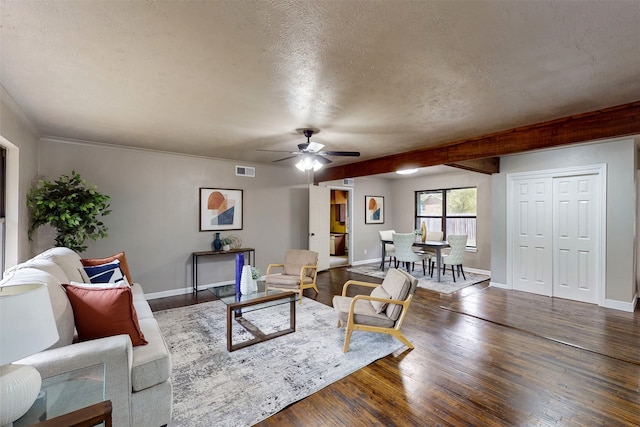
(137, 378)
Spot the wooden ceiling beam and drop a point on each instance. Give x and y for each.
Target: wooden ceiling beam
(613, 122)
(487, 166)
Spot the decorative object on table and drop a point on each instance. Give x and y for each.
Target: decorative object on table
(373, 210)
(246, 281)
(220, 209)
(226, 243)
(236, 242)
(239, 265)
(423, 232)
(27, 326)
(216, 245)
(255, 275)
(71, 207)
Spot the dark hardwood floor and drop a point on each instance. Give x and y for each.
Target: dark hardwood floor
(465, 371)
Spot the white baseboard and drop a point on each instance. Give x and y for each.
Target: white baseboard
(499, 285)
(366, 261)
(621, 305)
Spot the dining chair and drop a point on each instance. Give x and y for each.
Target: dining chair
(403, 243)
(389, 249)
(458, 244)
(430, 254)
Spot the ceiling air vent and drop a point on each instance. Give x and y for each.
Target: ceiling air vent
(246, 171)
(348, 182)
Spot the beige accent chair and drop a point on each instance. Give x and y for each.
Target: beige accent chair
(297, 273)
(389, 249)
(383, 311)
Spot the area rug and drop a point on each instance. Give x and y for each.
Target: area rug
(445, 286)
(213, 387)
(567, 322)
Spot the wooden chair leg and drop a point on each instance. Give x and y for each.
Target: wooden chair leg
(453, 274)
(462, 271)
(347, 338)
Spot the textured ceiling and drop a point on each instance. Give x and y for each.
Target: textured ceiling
(227, 78)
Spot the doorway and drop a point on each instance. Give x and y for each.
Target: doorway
(339, 227)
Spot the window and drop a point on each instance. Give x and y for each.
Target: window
(452, 211)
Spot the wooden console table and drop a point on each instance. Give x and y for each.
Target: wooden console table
(194, 258)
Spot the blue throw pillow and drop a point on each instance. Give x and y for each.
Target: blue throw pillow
(106, 273)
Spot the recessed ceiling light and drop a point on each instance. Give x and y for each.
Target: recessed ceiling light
(407, 171)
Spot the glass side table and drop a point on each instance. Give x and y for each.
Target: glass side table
(77, 395)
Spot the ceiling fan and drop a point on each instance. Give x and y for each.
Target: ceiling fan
(311, 155)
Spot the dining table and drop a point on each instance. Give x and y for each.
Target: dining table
(437, 245)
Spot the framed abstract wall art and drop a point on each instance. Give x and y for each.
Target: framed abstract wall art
(220, 209)
(373, 210)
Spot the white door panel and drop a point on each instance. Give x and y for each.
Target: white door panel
(532, 258)
(576, 225)
(319, 227)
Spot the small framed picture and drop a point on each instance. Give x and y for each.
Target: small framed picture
(373, 210)
(220, 209)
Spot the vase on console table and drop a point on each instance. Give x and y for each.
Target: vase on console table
(216, 245)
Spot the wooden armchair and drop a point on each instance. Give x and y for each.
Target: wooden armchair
(382, 311)
(297, 273)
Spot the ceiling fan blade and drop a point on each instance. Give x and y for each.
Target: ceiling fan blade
(340, 153)
(286, 158)
(314, 147)
(278, 151)
(322, 159)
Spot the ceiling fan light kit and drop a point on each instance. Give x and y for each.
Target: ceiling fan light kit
(312, 157)
(308, 163)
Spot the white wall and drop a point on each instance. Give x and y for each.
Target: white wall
(155, 199)
(620, 157)
(20, 139)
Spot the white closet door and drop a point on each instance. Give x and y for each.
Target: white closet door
(532, 233)
(576, 225)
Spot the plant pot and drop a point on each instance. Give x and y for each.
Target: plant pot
(226, 247)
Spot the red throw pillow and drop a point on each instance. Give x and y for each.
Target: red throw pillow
(104, 312)
(119, 256)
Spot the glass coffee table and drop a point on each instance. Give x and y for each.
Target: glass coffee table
(237, 304)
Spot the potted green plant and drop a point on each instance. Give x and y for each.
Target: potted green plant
(71, 207)
(226, 243)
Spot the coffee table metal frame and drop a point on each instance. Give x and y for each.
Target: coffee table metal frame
(257, 301)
